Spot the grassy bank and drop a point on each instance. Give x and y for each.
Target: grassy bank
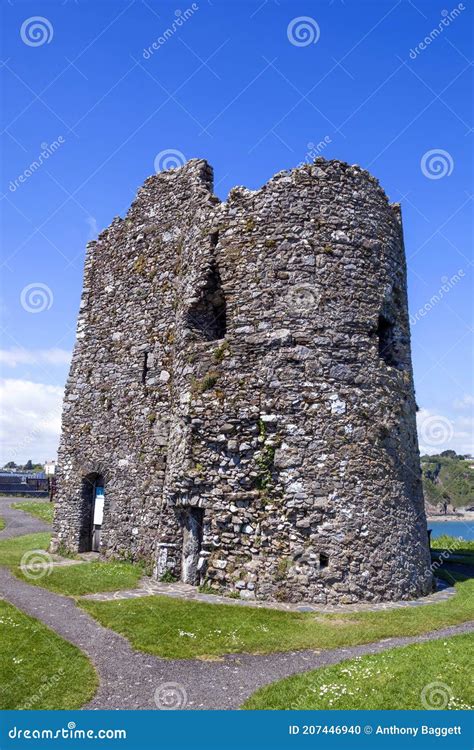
(176, 628)
(432, 675)
(42, 510)
(71, 580)
(12, 550)
(38, 669)
(88, 578)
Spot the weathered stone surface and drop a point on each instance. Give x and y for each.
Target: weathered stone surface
(242, 385)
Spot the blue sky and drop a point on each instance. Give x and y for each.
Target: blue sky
(249, 86)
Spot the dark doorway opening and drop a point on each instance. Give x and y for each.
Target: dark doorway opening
(191, 523)
(92, 508)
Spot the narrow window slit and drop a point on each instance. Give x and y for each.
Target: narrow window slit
(323, 560)
(386, 339)
(207, 317)
(145, 367)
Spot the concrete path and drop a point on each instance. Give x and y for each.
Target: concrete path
(133, 680)
(17, 522)
(130, 679)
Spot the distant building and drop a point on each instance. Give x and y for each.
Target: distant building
(49, 468)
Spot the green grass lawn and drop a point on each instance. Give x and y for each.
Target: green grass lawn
(12, 550)
(88, 578)
(449, 549)
(2, 524)
(177, 628)
(43, 511)
(38, 669)
(71, 580)
(436, 674)
(457, 546)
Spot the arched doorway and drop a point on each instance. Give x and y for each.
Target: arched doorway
(92, 509)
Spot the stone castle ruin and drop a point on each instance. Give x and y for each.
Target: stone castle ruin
(240, 409)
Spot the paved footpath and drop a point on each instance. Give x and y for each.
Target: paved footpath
(18, 523)
(129, 679)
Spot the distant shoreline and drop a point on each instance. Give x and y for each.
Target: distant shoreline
(451, 517)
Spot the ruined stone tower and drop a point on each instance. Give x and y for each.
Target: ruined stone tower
(240, 400)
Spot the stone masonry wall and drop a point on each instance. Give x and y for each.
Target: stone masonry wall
(242, 382)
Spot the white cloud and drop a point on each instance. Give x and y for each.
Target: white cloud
(466, 402)
(30, 420)
(91, 222)
(437, 433)
(19, 356)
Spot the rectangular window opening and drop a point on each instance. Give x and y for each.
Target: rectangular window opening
(323, 560)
